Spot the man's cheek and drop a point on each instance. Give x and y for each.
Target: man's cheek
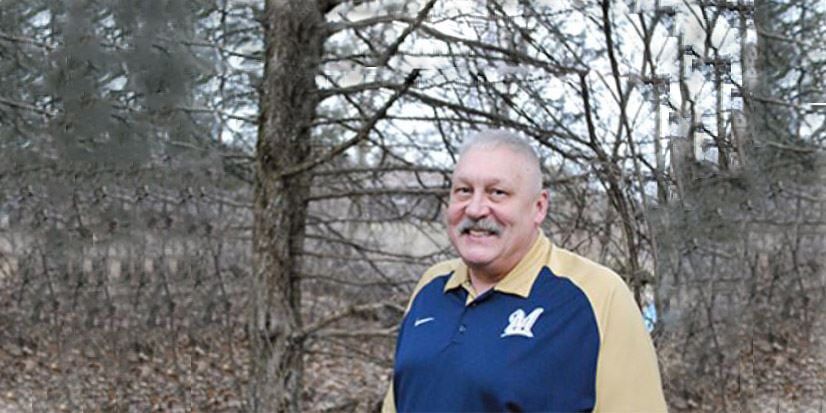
(452, 218)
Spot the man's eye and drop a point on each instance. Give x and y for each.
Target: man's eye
(461, 191)
(498, 193)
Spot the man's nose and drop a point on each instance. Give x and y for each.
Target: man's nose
(477, 207)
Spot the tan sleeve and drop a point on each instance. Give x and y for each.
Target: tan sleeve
(434, 271)
(442, 268)
(389, 405)
(628, 378)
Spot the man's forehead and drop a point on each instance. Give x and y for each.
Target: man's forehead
(491, 167)
(488, 157)
(487, 178)
(499, 155)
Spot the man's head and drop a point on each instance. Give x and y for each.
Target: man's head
(496, 202)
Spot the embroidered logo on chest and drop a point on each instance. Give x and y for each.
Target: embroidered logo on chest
(521, 324)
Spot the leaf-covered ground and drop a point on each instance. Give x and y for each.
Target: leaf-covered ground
(157, 372)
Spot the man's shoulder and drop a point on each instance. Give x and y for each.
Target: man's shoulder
(439, 269)
(599, 283)
(582, 270)
(605, 289)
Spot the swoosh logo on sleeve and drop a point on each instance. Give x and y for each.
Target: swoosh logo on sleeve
(420, 321)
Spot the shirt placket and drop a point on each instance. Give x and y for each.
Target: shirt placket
(471, 305)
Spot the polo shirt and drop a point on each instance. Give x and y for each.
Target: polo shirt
(557, 333)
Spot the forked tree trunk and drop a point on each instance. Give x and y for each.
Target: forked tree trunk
(294, 41)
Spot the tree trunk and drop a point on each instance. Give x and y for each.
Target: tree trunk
(289, 96)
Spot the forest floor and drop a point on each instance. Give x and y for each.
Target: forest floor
(791, 373)
(176, 369)
(208, 374)
(199, 373)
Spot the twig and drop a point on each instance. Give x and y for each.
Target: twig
(314, 328)
(360, 136)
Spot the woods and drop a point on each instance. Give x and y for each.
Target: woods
(225, 204)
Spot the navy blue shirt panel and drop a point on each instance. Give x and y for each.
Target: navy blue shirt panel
(452, 357)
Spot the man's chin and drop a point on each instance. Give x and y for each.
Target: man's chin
(473, 256)
(475, 249)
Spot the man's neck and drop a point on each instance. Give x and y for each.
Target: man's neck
(482, 283)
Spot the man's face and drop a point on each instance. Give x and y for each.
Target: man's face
(495, 209)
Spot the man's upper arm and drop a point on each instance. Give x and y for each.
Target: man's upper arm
(628, 378)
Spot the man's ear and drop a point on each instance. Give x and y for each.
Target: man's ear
(541, 207)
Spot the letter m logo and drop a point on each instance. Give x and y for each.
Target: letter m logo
(521, 324)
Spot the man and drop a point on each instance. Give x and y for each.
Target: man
(518, 324)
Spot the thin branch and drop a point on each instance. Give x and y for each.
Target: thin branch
(221, 113)
(362, 134)
(361, 87)
(334, 28)
(379, 192)
(27, 40)
(381, 169)
(515, 55)
(791, 148)
(394, 47)
(324, 278)
(367, 250)
(327, 6)
(367, 333)
(314, 328)
(25, 106)
(257, 57)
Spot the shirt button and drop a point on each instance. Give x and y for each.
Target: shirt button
(462, 328)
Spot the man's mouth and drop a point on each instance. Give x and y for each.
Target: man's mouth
(479, 233)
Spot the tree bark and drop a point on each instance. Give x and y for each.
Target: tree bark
(294, 36)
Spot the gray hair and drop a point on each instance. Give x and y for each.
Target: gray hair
(495, 138)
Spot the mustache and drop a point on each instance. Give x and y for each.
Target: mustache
(484, 224)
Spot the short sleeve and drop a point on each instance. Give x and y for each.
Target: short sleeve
(628, 378)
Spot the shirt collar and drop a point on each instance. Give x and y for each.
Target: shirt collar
(520, 279)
